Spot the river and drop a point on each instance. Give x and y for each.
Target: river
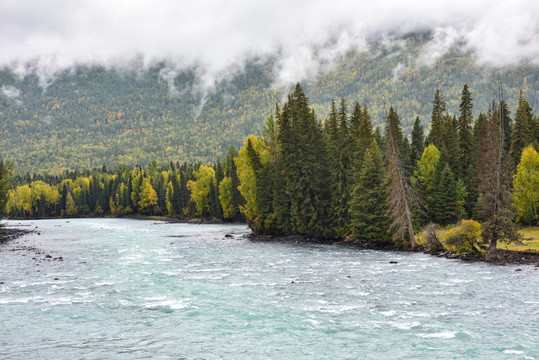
(144, 289)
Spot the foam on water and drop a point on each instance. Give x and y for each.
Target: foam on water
(130, 289)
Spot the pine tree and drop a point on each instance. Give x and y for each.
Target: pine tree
(507, 127)
(365, 138)
(355, 121)
(401, 195)
(305, 165)
(436, 134)
(522, 132)
(231, 171)
(494, 173)
(451, 142)
(445, 206)
(418, 142)
(368, 208)
(465, 134)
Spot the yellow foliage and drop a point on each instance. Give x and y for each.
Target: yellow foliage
(464, 236)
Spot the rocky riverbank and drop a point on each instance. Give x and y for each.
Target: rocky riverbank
(500, 257)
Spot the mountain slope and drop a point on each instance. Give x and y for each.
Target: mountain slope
(92, 115)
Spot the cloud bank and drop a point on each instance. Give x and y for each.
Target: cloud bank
(49, 36)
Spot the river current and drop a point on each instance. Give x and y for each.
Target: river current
(143, 289)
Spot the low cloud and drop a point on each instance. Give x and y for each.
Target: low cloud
(46, 37)
(11, 92)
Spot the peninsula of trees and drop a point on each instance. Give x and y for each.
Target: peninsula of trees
(335, 178)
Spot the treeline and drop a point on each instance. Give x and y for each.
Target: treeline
(341, 177)
(334, 178)
(183, 191)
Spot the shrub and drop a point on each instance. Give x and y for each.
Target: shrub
(463, 238)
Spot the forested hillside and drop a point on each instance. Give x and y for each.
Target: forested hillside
(89, 116)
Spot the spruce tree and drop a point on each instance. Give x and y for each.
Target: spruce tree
(436, 134)
(365, 138)
(507, 127)
(368, 208)
(418, 142)
(401, 196)
(494, 173)
(445, 207)
(450, 144)
(304, 156)
(522, 131)
(465, 134)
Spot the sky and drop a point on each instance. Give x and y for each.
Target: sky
(47, 36)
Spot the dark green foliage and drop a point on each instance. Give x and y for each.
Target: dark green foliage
(444, 209)
(522, 134)
(466, 142)
(340, 148)
(305, 165)
(451, 141)
(364, 139)
(418, 142)
(231, 170)
(5, 172)
(437, 131)
(368, 219)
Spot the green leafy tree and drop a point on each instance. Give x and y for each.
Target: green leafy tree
(424, 176)
(526, 187)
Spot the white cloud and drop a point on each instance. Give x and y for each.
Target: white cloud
(11, 92)
(48, 36)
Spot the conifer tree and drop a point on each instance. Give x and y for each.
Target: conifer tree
(231, 171)
(451, 142)
(305, 165)
(355, 120)
(465, 134)
(365, 138)
(494, 173)
(522, 132)
(445, 206)
(368, 208)
(507, 126)
(436, 134)
(401, 195)
(418, 142)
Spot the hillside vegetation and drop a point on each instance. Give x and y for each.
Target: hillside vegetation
(91, 116)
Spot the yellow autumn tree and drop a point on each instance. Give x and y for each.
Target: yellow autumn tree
(225, 197)
(148, 198)
(200, 189)
(526, 186)
(246, 174)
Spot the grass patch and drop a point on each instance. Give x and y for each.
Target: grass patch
(529, 235)
(530, 241)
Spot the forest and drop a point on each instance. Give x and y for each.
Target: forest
(339, 177)
(85, 117)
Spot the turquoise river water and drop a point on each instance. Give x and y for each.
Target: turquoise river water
(142, 289)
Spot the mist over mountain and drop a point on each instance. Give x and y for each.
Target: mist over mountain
(91, 82)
